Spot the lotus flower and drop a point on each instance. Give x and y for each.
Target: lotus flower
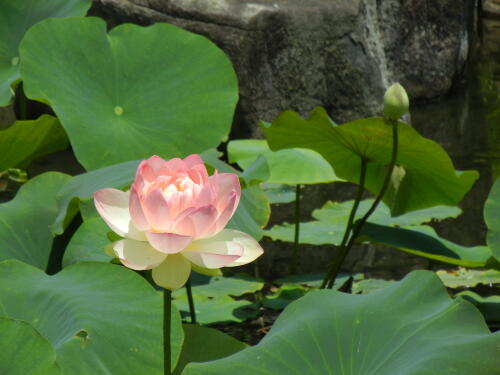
(173, 219)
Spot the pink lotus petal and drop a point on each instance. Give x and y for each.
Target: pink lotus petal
(227, 183)
(173, 272)
(168, 243)
(193, 160)
(174, 166)
(137, 255)
(112, 205)
(214, 252)
(155, 163)
(206, 196)
(136, 212)
(227, 213)
(251, 248)
(198, 174)
(157, 211)
(200, 221)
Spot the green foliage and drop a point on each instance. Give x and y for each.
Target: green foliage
(25, 141)
(291, 166)
(202, 344)
(213, 301)
(24, 351)
(492, 219)
(406, 328)
(87, 244)
(463, 277)
(423, 241)
(489, 306)
(130, 93)
(17, 16)
(95, 316)
(429, 176)
(25, 220)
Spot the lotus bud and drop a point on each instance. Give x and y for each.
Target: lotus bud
(396, 102)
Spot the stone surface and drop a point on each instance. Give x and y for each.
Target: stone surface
(340, 54)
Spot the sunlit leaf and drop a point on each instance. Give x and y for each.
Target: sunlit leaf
(130, 93)
(492, 219)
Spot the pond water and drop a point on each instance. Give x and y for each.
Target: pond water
(467, 124)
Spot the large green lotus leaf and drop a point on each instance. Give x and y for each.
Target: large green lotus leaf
(87, 244)
(202, 344)
(217, 310)
(17, 16)
(24, 351)
(134, 92)
(331, 211)
(463, 277)
(429, 176)
(25, 141)
(97, 316)
(220, 286)
(408, 328)
(423, 241)
(290, 166)
(24, 221)
(492, 218)
(489, 306)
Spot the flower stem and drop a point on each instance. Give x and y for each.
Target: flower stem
(192, 310)
(167, 305)
(356, 229)
(295, 255)
(342, 250)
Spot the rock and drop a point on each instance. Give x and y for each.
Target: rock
(340, 54)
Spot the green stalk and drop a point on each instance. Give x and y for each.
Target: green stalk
(359, 224)
(295, 254)
(167, 305)
(342, 250)
(192, 310)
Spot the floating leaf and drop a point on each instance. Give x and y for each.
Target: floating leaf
(492, 219)
(406, 328)
(220, 286)
(369, 285)
(95, 315)
(430, 178)
(24, 221)
(24, 351)
(463, 277)
(423, 241)
(118, 100)
(202, 344)
(279, 193)
(332, 218)
(217, 310)
(17, 16)
(331, 211)
(25, 141)
(291, 166)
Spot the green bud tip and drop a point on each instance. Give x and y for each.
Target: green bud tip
(396, 102)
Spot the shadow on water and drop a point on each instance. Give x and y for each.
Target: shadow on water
(467, 124)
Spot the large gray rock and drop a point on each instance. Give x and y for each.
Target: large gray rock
(340, 54)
